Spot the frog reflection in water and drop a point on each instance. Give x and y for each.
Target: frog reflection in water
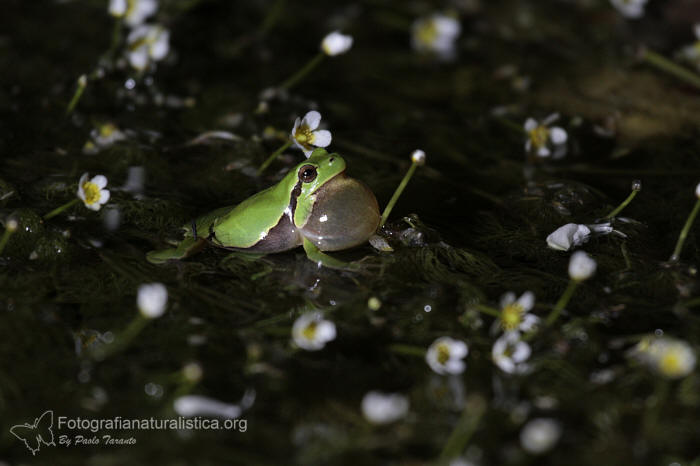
(315, 206)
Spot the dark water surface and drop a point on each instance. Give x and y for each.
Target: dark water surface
(481, 213)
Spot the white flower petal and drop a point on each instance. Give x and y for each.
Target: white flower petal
(336, 43)
(543, 151)
(117, 8)
(99, 180)
(530, 124)
(159, 49)
(581, 266)
(521, 352)
(507, 298)
(138, 58)
(696, 30)
(384, 408)
(104, 196)
(557, 135)
(322, 138)
(527, 300)
(312, 119)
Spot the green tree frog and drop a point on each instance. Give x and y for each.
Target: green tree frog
(315, 206)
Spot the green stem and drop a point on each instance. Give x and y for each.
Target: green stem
(60, 209)
(273, 17)
(82, 82)
(122, 340)
(664, 64)
(274, 155)
(299, 75)
(488, 310)
(684, 232)
(116, 37)
(5, 238)
(408, 350)
(624, 204)
(561, 304)
(397, 194)
(464, 429)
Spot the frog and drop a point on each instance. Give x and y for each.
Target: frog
(316, 205)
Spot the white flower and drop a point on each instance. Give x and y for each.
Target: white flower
(152, 299)
(515, 315)
(630, 8)
(574, 234)
(306, 135)
(697, 191)
(102, 137)
(311, 332)
(195, 405)
(581, 266)
(336, 43)
(147, 43)
(668, 357)
(568, 236)
(435, 34)
(540, 435)
(384, 408)
(134, 12)
(544, 140)
(418, 157)
(509, 353)
(445, 356)
(92, 192)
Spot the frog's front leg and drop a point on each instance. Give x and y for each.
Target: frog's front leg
(321, 258)
(186, 248)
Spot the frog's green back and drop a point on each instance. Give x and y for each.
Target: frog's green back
(251, 220)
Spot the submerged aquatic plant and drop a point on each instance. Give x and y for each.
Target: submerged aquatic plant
(446, 356)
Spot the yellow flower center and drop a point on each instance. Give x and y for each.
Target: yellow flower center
(304, 135)
(107, 130)
(130, 6)
(670, 364)
(427, 32)
(511, 316)
(443, 353)
(539, 136)
(92, 192)
(310, 331)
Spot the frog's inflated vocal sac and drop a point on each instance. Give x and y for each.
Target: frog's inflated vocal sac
(315, 206)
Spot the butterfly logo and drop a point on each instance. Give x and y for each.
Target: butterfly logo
(33, 435)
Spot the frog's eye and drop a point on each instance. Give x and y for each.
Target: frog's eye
(307, 173)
